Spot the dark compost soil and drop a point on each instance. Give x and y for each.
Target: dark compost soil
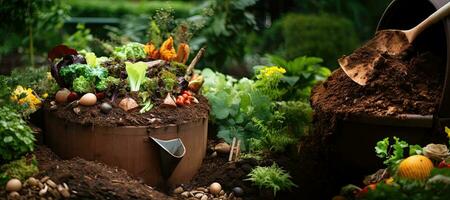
(158, 116)
(93, 180)
(402, 85)
(365, 60)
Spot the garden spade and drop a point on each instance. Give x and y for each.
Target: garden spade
(361, 65)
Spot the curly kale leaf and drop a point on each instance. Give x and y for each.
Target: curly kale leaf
(83, 85)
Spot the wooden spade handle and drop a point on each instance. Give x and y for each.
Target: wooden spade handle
(440, 14)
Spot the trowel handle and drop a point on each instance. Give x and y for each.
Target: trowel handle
(440, 14)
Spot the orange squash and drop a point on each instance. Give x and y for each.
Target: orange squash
(415, 167)
(167, 52)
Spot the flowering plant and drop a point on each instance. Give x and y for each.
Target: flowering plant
(26, 98)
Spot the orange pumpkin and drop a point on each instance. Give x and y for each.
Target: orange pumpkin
(415, 167)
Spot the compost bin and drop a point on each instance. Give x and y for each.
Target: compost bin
(132, 148)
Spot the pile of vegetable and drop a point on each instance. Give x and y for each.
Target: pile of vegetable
(136, 76)
(423, 174)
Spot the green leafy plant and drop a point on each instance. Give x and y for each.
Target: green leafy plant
(39, 22)
(271, 139)
(297, 116)
(146, 102)
(273, 178)
(131, 51)
(268, 79)
(220, 22)
(84, 78)
(83, 85)
(20, 169)
(36, 78)
(393, 154)
(81, 39)
(434, 188)
(16, 137)
(234, 103)
(169, 80)
(302, 73)
(250, 110)
(136, 74)
(107, 83)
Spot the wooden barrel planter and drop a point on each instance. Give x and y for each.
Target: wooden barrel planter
(130, 147)
(357, 135)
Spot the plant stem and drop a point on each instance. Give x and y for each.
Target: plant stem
(31, 48)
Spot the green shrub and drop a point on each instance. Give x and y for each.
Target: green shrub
(36, 78)
(272, 177)
(16, 137)
(20, 169)
(100, 8)
(325, 36)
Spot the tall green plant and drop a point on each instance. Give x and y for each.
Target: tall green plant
(35, 21)
(224, 21)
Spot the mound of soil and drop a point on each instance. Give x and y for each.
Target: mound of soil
(92, 180)
(410, 84)
(158, 116)
(233, 174)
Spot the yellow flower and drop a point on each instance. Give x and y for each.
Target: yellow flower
(25, 96)
(49, 76)
(270, 71)
(447, 130)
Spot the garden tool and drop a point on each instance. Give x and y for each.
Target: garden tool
(361, 65)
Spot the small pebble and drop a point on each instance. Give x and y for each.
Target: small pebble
(51, 183)
(88, 99)
(199, 195)
(222, 147)
(33, 182)
(238, 191)
(77, 110)
(221, 192)
(105, 107)
(13, 185)
(214, 154)
(185, 194)
(178, 190)
(14, 196)
(204, 197)
(215, 188)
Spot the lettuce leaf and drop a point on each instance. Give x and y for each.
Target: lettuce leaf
(136, 74)
(91, 59)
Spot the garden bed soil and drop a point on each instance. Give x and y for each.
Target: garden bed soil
(410, 84)
(93, 180)
(158, 116)
(233, 174)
